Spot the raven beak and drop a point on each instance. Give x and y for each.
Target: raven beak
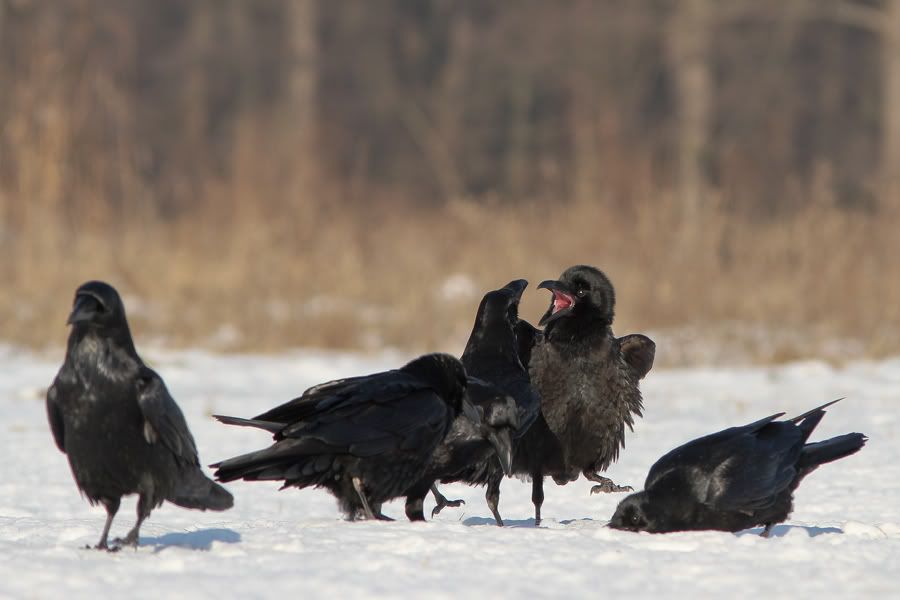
(517, 286)
(502, 443)
(561, 304)
(84, 310)
(471, 412)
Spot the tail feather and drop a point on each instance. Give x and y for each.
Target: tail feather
(809, 413)
(196, 490)
(826, 451)
(809, 420)
(269, 426)
(288, 459)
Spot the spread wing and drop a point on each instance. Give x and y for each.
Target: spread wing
(639, 352)
(163, 420)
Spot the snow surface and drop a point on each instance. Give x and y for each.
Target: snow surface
(843, 538)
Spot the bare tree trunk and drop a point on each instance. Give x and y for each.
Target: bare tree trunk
(689, 49)
(301, 77)
(587, 176)
(890, 102)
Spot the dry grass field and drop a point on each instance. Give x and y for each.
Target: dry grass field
(237, 275)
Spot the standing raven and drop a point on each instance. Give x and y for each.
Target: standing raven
(366, 439)
(490, 356)
(115, 420)
(734, 479)
(587, 380)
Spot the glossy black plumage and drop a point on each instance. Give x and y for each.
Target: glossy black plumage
(735, 479)
(587, 380)
(365, 439)
(115, 420)
(505, 395)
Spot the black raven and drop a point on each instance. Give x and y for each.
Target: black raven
(490, 356)
(115, 420)
(734, 479)
(587, 380)
(366, 439)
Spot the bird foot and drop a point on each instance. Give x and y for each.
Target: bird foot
(607, 486)
(442, 503)
(382, 517)
(128, 540)
(104, 547)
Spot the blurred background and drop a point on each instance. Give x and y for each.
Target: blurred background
(262, 175)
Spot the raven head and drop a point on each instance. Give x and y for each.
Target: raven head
(633, 514)
(446, 376)
(583, 294)
(500, 307)
(97, 305)
(493, 335)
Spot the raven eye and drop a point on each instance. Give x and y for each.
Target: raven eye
(581, 293)
(634, 518)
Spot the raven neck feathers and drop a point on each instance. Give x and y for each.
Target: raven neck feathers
(113, 357)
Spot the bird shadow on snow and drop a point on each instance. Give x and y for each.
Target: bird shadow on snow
(783, 530)
(202, 539)
(476, 521)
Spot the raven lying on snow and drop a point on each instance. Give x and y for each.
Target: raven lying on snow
(734, 479)
(115, 420)
(366, 439)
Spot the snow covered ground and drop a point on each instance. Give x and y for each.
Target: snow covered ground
(843, 538)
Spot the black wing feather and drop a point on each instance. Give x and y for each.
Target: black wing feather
(167, 421)
(762, 464)
(327, 397)
(639, 352)
(704, 454)
(54, 416)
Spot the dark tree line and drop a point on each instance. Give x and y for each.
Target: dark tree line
(760, 104)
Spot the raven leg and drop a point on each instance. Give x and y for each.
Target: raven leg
(376, 508)
(143, 511)
(112, 507)
(492, 496)
(415, 499)
(357, 485)
(606, 484)
(768, 530)
(537, 496)
(414, 508)
(442, 502)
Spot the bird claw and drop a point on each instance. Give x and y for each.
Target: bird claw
(443, 503)
(126, 541)
(608, 486)
(104, 547)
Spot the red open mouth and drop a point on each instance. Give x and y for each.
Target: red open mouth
(561, 300)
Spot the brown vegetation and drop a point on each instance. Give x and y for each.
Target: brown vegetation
(317, 277)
